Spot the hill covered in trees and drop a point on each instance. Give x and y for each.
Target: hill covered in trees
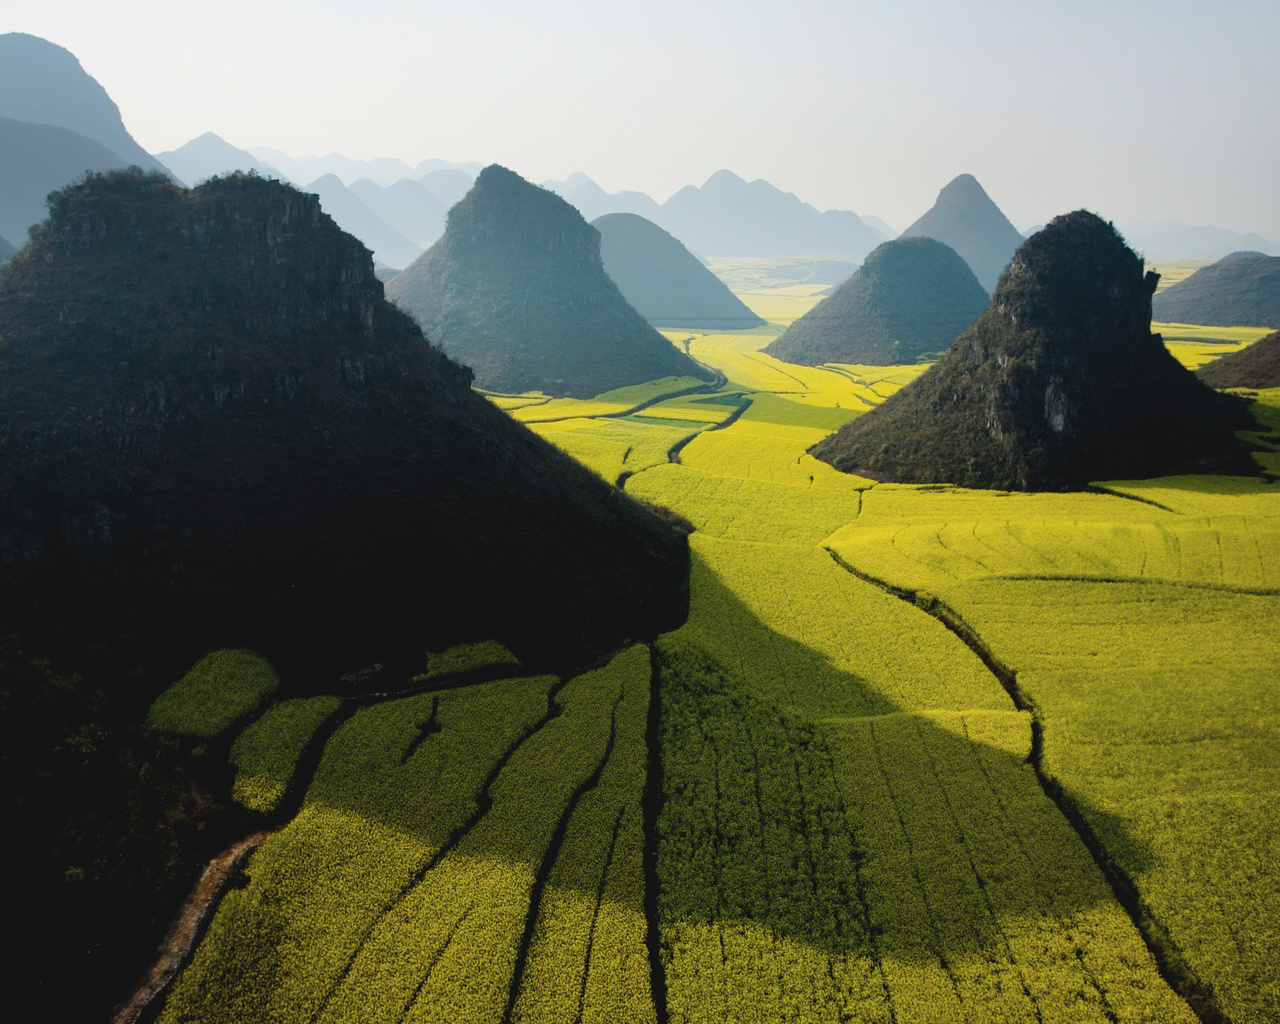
(214, 425)
(1059, 382)
(965, 218)
(1257, 366)
(516, 289)
(1240, 290)
(912, 297)
(663, 280)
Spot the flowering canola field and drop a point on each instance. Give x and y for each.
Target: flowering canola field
(919, 754)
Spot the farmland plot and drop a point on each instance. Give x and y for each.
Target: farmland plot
(451, 847)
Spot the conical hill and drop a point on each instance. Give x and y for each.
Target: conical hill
(515, 288)
(1240, 290)
(965, 218)
(1257, 366)
(663, 280)
(1060, 382)
(912, 297)
(214, 430)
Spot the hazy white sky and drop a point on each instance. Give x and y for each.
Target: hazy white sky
(1137, 110)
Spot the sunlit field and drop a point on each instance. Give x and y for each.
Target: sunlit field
(923, 754)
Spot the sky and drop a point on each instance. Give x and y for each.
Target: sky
(1140, 111)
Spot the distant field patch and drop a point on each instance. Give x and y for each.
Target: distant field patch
(1173, 271)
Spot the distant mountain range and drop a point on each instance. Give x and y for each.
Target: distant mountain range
(44, 83)
(385, 170)
(203, 157)
(728, 216)
(1175, 240)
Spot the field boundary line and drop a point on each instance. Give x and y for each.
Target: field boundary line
(1170, 962)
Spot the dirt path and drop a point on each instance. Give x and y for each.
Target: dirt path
(187, 928)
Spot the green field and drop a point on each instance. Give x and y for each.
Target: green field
(924, 754)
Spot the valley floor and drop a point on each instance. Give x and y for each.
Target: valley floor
(919, 754)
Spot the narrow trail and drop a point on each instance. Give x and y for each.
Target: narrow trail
(187, 930)
(1173, 968)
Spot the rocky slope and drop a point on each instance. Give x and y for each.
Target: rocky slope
(516, 289)
(912, 296)
(663, 280)
(215, 431)
(1059, 383)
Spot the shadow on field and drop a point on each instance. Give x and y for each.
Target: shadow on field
(854, 828)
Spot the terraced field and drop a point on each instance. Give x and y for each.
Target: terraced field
(918, 754)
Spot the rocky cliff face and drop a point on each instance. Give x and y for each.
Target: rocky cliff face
(1058, 383)
(206, 404)
(515, 288)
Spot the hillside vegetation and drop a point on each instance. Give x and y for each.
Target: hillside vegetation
(1255, 366)
(1242, 289)
(211, 414)
(910, 300)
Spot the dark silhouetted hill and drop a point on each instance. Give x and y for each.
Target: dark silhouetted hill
(36, 159)
(965, 218)
(516, 290)
(1257, 366)
(408, 206)
(1059, 383)
(388, 245)
(43, 83)
(214, 431)
(209, 154)
(1240, 290)
(728, 216)
(665, 282)
(912, 297)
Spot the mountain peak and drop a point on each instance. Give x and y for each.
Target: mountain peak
(967, 219)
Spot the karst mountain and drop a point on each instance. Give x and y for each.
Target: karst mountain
(911, 298)
(965, 218)
(516, 290)
(1257, 366)
(212, 422)
(1240, 290)
(1060, 382)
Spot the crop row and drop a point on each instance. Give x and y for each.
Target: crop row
(220, 689)
(892, 867)
(266, 751)
(1160, 718)
(408, 888)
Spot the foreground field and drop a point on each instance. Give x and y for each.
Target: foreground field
(919, 754)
